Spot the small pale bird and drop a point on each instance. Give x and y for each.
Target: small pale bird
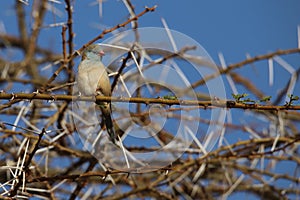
(93, 79)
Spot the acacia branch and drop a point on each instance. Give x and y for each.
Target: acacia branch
(70, 72)
(245, 62)
(204, 104)
(147, 9)
(27, 163)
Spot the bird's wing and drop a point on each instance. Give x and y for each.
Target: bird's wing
(103, 85)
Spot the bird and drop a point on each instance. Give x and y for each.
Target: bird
(92, 79)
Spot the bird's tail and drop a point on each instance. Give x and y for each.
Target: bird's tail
(106, 113)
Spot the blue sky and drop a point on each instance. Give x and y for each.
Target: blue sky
(233, 28)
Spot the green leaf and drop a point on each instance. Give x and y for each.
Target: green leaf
(238, 97)
(264, 99)
(170, 97)
(292, 99)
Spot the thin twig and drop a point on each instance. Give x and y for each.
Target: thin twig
(245, 62)
(25, 169)
(116, 79)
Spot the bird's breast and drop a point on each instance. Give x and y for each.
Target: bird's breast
(88, 76)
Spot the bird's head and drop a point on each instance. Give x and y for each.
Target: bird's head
(93, 51)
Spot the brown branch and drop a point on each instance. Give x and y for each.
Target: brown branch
(284, 90)
(23, 81)
(25, 169)
(147, 9)
(21, 23)
(132, 13)
(9, 104)
(166, 56)
(245, 62)
(14, 41)
(248, 84)
(64, 45)
(116, 79)
(204, 104)
(62, 66)
(71, 44)
(40, 12)
(135, 25)
(58, 147)
(80, 184)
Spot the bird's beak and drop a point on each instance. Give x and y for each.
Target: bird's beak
(101, 53)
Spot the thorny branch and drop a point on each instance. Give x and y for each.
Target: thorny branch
(170, 102)
(25, 167)
(243, 63)
(55, 164)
